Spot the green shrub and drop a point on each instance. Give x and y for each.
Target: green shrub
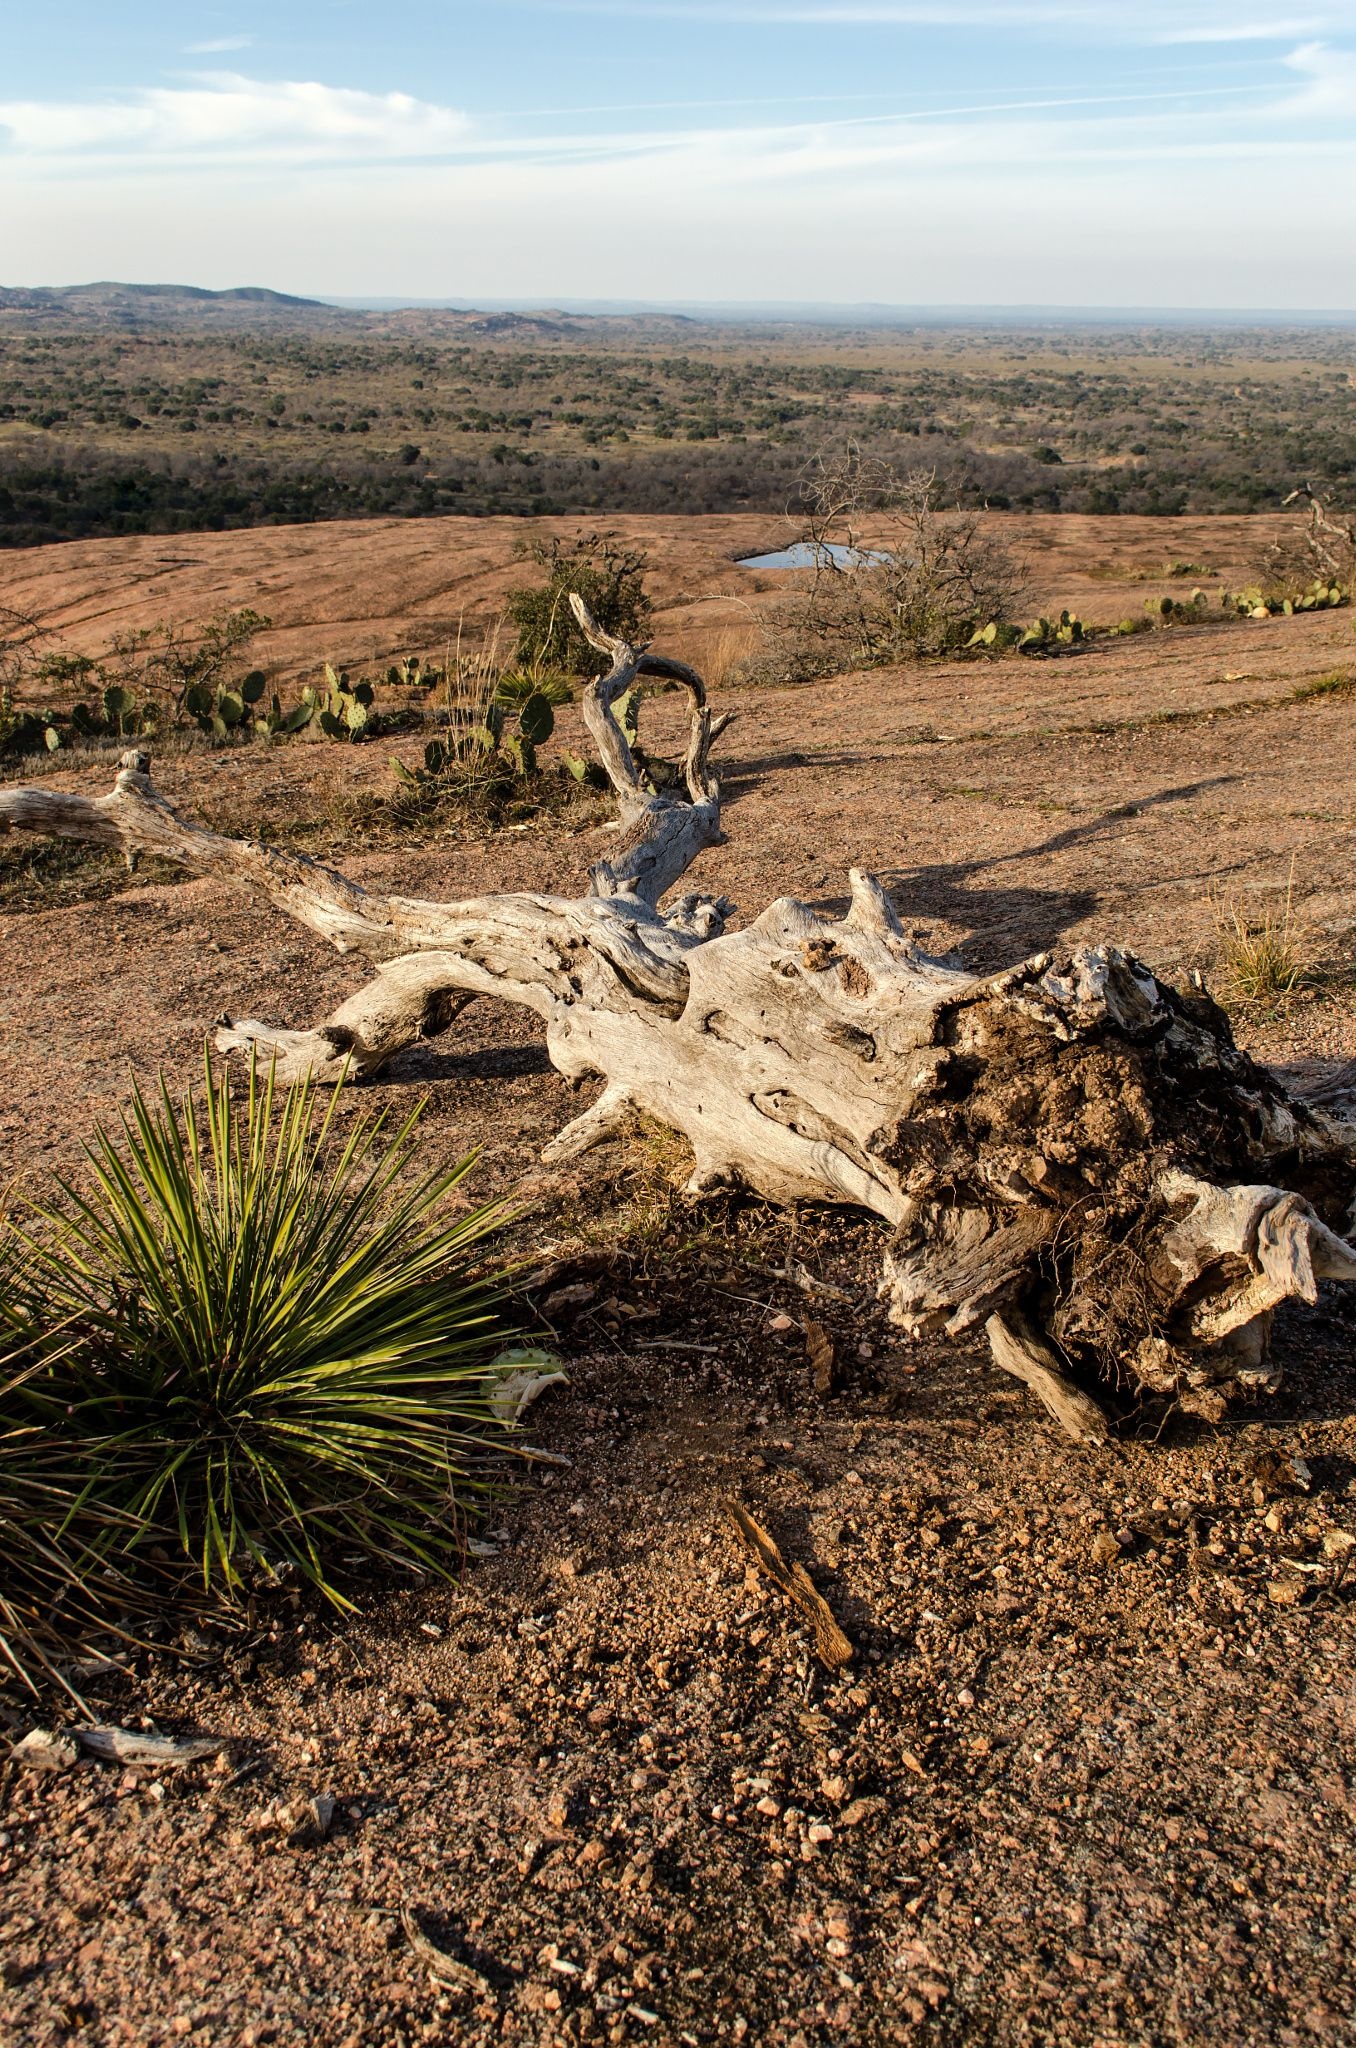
(222, 709)
(27, 732)
(1264, 958)
(1279, 599)
(254, 1344)
(58, 1592)
(1042, 636)
(491, 743)
(608, 576)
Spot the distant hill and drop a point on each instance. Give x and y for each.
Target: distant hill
(156, 305)
(142, 308)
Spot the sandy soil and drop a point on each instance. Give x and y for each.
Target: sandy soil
(1059, 1795)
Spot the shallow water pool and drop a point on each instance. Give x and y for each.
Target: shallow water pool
(809, 554)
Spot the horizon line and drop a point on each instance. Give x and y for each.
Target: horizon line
(784, 309)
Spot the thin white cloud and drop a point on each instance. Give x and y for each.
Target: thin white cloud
(904, 235)
(226, 119)
(1150, 22)
(217, 46)
(1329, 88)
(1245, 31)
(223, 115)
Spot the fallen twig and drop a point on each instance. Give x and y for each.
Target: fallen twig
(831, 1646)
(448, 1969)
(129, 1746)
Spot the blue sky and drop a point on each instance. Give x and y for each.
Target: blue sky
(1165, 152)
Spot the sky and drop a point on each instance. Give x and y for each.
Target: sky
(1186, 153)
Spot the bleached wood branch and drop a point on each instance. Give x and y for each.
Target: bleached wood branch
(1069, 1152)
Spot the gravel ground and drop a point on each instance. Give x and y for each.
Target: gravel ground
(1088, 1776)
(1086, 1779)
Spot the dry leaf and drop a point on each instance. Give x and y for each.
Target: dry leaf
(819, 1351)
(516, 1378)
(315, 1819)
(1280, 1472)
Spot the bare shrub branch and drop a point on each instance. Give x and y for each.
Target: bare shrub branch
(896, 575)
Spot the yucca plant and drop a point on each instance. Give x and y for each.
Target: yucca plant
(60, 1594)
(261, 1341)
(56, 1590)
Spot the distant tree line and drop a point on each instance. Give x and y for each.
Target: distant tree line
(72, 491)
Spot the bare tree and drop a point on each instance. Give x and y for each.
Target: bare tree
(895, 574)
(1070, 1153)
(1324, 548)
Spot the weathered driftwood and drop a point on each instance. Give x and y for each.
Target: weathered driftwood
(1070, 1144)
(1019, 1350)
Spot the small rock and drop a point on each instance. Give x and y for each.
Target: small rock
(768, 1806)
(579, 1295)
(591, 1854)
(319, 1816)
(1285, 1592)
(1338, 1542)
(1105, 1548)
(781, 1324)
(836, 1790)
(819, 1831)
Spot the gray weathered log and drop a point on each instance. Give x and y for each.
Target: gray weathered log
(1069, 1145)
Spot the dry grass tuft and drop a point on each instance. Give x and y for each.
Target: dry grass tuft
(720, 654)
(1341, 682)
(1264, 959)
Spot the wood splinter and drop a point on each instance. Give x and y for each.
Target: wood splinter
(832, 1647)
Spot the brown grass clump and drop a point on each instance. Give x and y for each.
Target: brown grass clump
(1340, 682)
(721, 654)
(1264, 959)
